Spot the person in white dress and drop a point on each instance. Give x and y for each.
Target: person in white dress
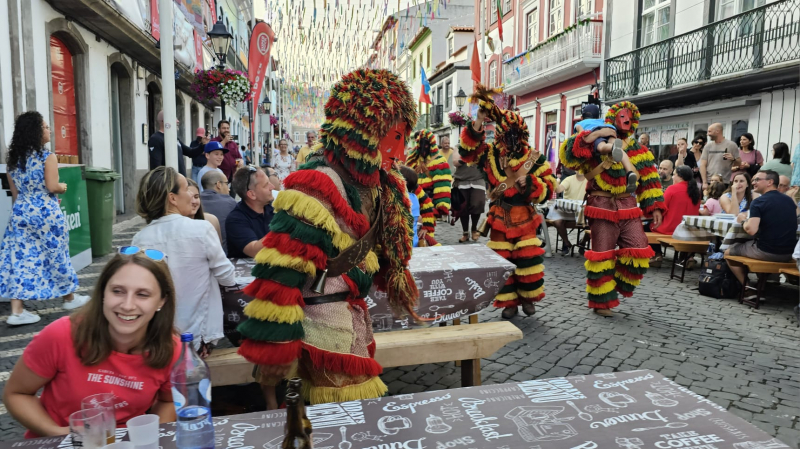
(284, 162)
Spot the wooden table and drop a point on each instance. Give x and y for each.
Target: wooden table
(628, 410)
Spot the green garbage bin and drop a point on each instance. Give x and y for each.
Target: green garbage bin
(100, 190)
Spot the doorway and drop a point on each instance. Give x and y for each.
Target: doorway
(122, 136)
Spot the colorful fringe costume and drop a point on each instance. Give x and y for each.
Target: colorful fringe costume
(433, 170)
(512, 218)
(615, 218)
(427, 217)
(326, 338)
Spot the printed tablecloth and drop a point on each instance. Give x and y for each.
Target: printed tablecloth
(728, 230)
(453, 282)
(625, 410)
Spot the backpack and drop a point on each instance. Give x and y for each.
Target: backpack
(718, 281)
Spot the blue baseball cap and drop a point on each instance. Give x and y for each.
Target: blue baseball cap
(590, 111)
(213, 146)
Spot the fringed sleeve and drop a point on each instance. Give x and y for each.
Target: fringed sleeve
(648, 193)
(543, 176)
(426, 214)
(440, 179)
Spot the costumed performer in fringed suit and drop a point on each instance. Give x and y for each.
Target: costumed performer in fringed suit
(613, 214)
(518, 177)
(432, 170)
(341, 220)
(421, 209)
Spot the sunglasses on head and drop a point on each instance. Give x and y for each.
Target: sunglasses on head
(152, 254)
(252, 170)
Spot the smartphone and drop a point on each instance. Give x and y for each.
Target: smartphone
(236, 137)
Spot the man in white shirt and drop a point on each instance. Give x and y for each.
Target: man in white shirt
(574, 188)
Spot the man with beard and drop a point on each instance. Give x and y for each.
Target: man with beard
(518, 177)
(614, 218)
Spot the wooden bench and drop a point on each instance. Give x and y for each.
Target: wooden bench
(652, 237)
(400, 348)
(688, 249)
(796, 273)
(761, 269)
(585, 243)
(570, 226)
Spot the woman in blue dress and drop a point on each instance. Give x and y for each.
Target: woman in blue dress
(34, 254)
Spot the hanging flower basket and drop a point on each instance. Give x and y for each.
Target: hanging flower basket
(273, 120)
(457, 118)
(232, 86)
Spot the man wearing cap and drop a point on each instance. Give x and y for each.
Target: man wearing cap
(156, 146)
(215, 153)
(232, 155)
(199, 161)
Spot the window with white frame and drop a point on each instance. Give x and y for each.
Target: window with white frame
(728, 8)
(585, 9)
(448, 95)
(655, 21)
(493, 11)
(506, 7)
(556, 21)
(533, 28)
(297, 136)
(450, 46)
(493, 73)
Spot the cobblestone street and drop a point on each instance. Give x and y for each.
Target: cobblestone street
(743, 359)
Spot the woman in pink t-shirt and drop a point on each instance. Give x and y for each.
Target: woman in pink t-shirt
(121, 342)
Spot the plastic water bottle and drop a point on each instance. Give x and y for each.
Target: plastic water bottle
(191, 393)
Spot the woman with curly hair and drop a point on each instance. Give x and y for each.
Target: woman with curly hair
(34, 254)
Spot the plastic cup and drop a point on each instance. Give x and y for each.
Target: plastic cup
(143, 431)
(104, 402)
(87, 428)
(120, 445)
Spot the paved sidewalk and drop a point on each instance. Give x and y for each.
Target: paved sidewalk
(743, 359)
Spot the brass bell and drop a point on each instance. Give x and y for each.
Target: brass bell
(319, 282)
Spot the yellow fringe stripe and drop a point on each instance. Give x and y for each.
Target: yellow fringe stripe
(616, 190)
(526, 243)
(634, 261)
(373, 388)
(529, 271)
(441, 190)
(506, 296)
(500, 245)
(640, 158)
(371, 264)
(601, 290)
(634, 282)
(273, 256)
(438, 178)
(597, 267)
(532, 294)
(309, 209)
(265, 310)
(651, 193)
(653, 175)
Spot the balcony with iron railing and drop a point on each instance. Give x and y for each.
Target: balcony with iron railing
(437, 115)
(767, 37)
(571, 53)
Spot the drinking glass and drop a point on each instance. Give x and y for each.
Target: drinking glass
(104, 402)
(88, 428)
(120, 445)
(143, 431)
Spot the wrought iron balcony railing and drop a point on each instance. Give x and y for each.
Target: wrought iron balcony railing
(571, 53)
(762, 37)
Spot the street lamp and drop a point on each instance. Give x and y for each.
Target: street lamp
(220, 42)
(461, 98)
(265, 105)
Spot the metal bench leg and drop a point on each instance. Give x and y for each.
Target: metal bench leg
(672, 267)
(685, 262)
(548, 252)
(762, 284)
(471, 373)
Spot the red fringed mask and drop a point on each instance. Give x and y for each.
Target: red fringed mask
(624, 120)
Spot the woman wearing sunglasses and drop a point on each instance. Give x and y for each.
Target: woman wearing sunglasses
(122, 341)
(195, 256)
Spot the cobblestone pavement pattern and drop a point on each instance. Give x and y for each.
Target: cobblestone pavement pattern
(745, 360)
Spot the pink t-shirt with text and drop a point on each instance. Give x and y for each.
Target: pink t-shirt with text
(51, 354)
(712, 204)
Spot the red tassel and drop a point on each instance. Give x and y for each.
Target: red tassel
(528, 228)
(604, 305)
(287, 245)
(639, 253)
(527, 252)
(623, 292)
(599, 282)
(622, 270)
(279, 294)
(503, 304)
(468, 142)
(581, 149)
(504, 253)
(621, 181)
(599, 213)
(343, 363)
(629, 214)
(658, 205)
(263, 353)
(600, 256)
(360, 303)
(529, 278)
(371, 348)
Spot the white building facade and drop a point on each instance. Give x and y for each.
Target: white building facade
(687, 64)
